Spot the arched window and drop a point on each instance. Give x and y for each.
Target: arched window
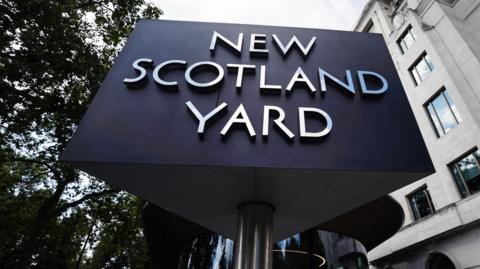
(440, 261)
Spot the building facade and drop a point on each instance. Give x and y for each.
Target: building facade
(435, 45)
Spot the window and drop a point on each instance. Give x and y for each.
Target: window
(370, 27)
(397, 3)
(443, 113)
(449, 3)
(421, 203)
(466, 173)
(406, 39)
(421, 68)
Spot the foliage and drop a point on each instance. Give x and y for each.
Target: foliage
(120, 241)
(53, 57)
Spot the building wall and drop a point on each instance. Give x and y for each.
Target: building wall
(450, 35)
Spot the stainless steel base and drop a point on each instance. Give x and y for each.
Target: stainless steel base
(253, 247)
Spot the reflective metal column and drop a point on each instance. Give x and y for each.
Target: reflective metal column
(253, 247)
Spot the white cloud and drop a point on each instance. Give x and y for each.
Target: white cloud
(325, 14)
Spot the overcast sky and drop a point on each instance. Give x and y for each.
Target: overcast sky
(325, 14)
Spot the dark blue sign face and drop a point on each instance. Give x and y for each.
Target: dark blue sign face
(199, 117)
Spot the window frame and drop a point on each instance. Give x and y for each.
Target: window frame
(449, 3)
(424, 188)
(368, 26)
(413, 68)
(454, 112)
(401, 38)
(454, 163)
(397, 3)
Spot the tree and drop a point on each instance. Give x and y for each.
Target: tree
(120, 240)
(53, 58)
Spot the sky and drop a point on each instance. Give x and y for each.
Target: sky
(324, 14)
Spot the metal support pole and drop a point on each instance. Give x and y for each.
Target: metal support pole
(253, 247)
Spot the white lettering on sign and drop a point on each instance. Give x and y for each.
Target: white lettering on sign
(236, 47)
(240, 118)
(278, 121)
(300, 76)
(203, 119)
(258, 48)
(240, 70)
(294, 40)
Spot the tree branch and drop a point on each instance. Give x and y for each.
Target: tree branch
(39, 175)
(107, 7)
(87, 4)
(90, 196)
(30, 161)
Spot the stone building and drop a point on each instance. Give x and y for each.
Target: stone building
(435, 46)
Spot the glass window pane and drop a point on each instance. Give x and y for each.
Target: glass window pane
(415, 75)
(413, 204)
(444, 113)
(408, 39)
(412, 33)
(452, 106)
(470, 172)
(423, 69)
(429, 62)
(458, 179)
(403, 46)
(371, 29)
(421, 204)
(436, 122)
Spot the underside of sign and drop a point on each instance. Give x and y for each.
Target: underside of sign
(198, 118)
